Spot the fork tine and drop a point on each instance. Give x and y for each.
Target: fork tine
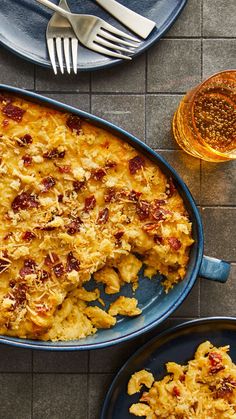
(113, 38)
(51, 51)
(59, 53)
(74, 47)
(101, 41)
(106, 51)
(116, 31)
(66, 44)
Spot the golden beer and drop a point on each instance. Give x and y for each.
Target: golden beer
(204, 124)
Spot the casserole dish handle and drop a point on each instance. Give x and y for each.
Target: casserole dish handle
(214, 269)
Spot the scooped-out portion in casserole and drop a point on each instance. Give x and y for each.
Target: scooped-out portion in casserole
(78, 202)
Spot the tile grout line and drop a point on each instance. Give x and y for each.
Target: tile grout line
(45, 92)
(88, 385)
(145, 101)
(32, 384)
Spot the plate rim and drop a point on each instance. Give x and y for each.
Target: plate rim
(110, 63)
(169, 331)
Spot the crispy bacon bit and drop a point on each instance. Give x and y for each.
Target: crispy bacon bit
(174, 243)
(28, 268)
(110, 195)
(48, 183)
(143, 209)
(5, 123)
(176, 391)
(90, 203)
(136, 164)
(134, 196)
(110, 164)
(159, 202)
(74, 226)
(64, 169)
(7, 236)
(54, 154)
(215, 358)
(19, 293)
(216, 362)
(47, 228)
(98, 174)
(4, 264)
(58, 270)
(44, 275)
(28, 236)
(78, 185)
(51, 259)
(72, 263)
(12, 283)
(103, 216)
(25, 140)
(157, 239)
(217, 368)
(5, 98)
(150, 226)
(13, 112)
(170, 188)
(182, 378)
(24, 201)
(60, 198)
(74, 123)
(27, 160)
(118, 235)
(157, 214)
(226, 388)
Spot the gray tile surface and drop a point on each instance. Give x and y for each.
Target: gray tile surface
(159, 113)
(66, 362)
(78, 100)
(191, 305)
(220, 232)
(189, 22)
(218, 183)
(15, 360)
(141, 97)
(15, 71)
(15, 396)
(60, 396)
(98, 387)
(174, 65)
(127, 111)
(46, 81)
(223, 294)
(219, 18)
(125, 78)
(218, 55)
(109, 361)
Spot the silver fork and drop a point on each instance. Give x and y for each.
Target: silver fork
(61, 37)
(97, 34)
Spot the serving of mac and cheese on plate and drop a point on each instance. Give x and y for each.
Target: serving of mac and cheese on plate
(204, 388)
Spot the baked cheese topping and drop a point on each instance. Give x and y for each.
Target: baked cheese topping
(205, 388)
(77, 201)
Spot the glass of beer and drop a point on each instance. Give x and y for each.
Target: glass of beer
(204, 124)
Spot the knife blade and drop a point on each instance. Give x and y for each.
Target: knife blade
(134, 21)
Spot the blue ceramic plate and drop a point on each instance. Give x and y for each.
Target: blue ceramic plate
(23, 24)
(177, 344)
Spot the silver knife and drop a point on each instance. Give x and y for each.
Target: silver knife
(134, 21)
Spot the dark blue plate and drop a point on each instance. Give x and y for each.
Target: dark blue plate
(177, 344)
(23, 24)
